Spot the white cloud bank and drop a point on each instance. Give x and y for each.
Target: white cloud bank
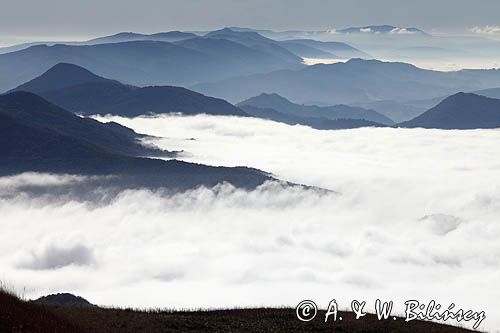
(416, 217)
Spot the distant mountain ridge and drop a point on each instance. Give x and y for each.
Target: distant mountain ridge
(78, 90)
(460, 111)
(283, 105)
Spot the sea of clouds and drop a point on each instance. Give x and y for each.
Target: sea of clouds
(413, 214)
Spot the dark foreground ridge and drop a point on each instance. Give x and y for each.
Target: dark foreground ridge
(19, 316)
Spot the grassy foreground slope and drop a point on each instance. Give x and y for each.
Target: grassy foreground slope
(19, 316)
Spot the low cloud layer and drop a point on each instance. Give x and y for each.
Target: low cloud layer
(415, 216)
(487, 30)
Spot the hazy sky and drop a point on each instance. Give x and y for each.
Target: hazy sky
(59, 18)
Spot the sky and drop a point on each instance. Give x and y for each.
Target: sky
(20, 19)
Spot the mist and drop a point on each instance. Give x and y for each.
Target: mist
(412, 214)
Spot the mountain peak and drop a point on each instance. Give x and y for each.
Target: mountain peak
(60, 76)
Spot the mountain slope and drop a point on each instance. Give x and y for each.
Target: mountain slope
(356, 81)
(95, 95)
(460, 111)
(26, 145)
(32, 110)
(281, 104)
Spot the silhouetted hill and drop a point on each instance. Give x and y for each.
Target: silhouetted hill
(31, 110)
(96, 95)
(356, 81)
(314, 122)
(36, 136)
(460, 111)
(140, 63)
(281, 104)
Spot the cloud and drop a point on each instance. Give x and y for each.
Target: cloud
(486, 30)
(412, 217)
(401, 31)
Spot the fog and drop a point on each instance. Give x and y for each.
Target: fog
(414, 215)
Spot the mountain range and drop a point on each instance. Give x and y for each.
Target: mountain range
(80, 91)
(148, 62)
